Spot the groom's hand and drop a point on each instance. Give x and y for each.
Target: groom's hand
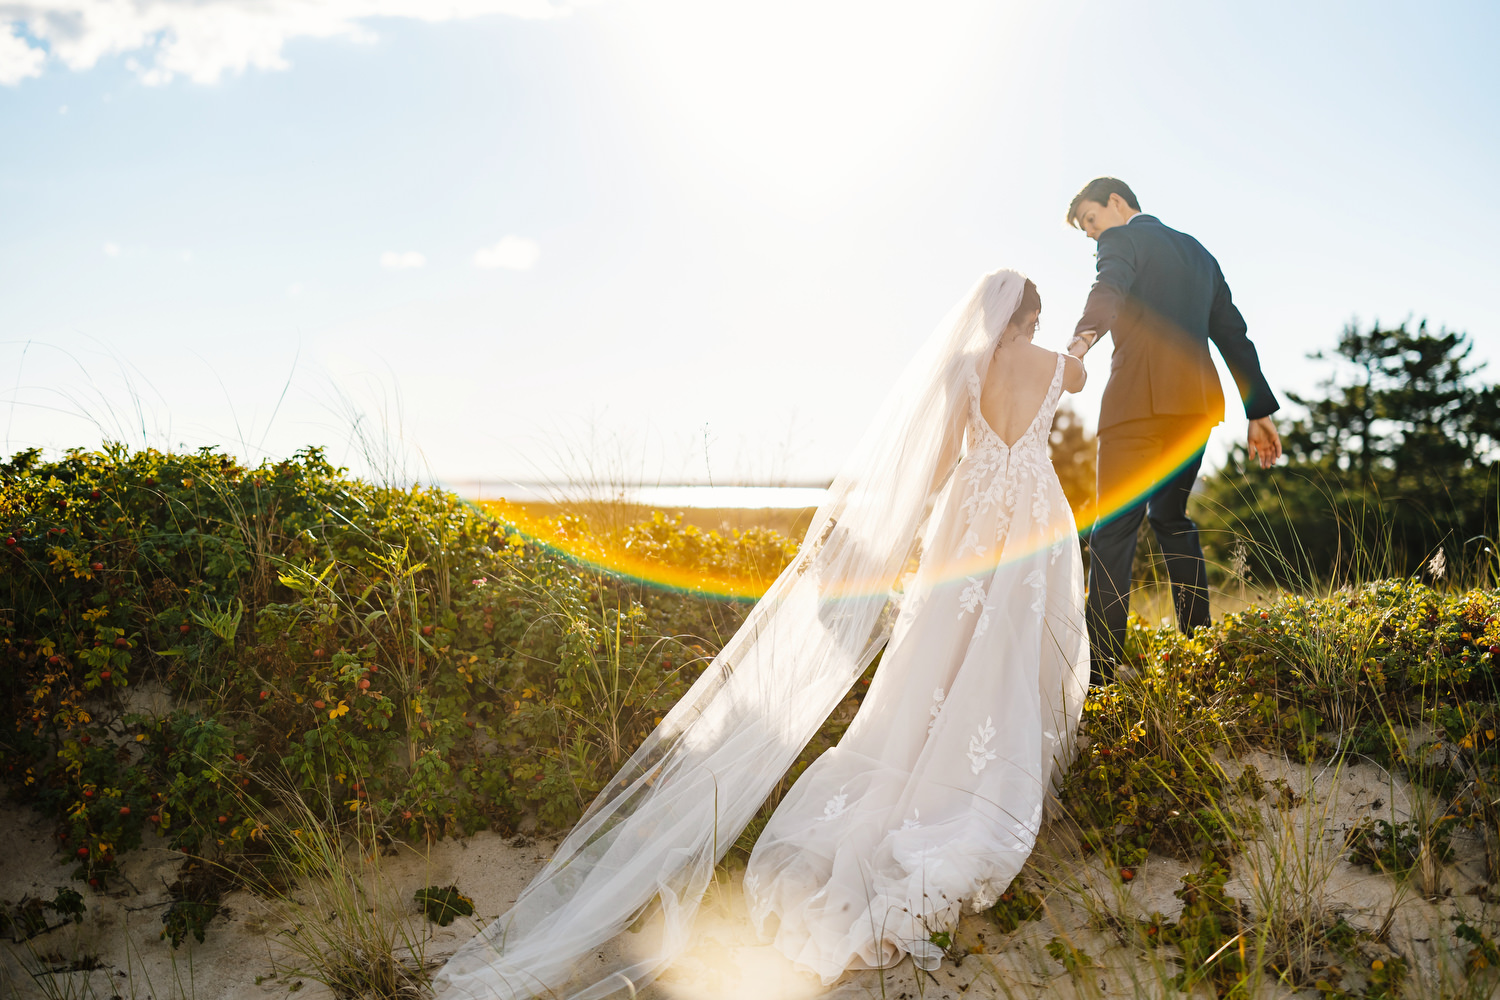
(1081, 342)
(1264, 442)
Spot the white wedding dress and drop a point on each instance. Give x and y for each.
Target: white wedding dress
(933, 798)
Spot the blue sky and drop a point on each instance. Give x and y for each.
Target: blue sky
(726, 225)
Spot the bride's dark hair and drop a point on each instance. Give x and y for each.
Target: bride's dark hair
(1031, 300)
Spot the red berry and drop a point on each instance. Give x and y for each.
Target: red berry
(239, 756)
(1127, 874)
(318, 703)
(1265, 616)
(11, 540)
(54, 659)
(223, 819)
(318, 653)
(94, 882)
(105, 675)
(97, 567)
(122, 642)
(374, 668)
(426, 629)
(183, 628)
(94, 494)
(124, 810)
(83, 852)
(86, 738)
(364, 683)
(1495, 650)
(153, 818)
(406, 814)
(264, 695)
(150, 481)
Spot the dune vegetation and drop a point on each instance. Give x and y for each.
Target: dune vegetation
(277, 670)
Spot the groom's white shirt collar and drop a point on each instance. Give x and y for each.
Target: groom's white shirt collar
(1138, 215)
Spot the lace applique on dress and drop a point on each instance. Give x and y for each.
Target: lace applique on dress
(970, 543)
(983, 624)
(972, 596)
(979, 745)
(992, 476)
(1037, 581)
(835, 807)
(1026, 832)
(936, 709)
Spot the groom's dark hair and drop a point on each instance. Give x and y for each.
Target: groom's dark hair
(1098, 191)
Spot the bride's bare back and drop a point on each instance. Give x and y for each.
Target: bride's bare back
(1016, 386)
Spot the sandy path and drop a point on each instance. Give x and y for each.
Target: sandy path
(244, 955)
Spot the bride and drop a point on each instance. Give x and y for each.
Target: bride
(946, 541)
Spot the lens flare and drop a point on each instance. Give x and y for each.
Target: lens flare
(570, 538)
(589, 549)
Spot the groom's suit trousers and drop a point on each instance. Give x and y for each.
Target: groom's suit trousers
(1146, 467)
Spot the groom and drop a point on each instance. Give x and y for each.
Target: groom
(1164, 298)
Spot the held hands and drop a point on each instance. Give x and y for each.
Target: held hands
(1081, 342)
(1264, 443)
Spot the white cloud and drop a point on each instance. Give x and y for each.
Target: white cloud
(18, 59)
(205, 39)
(514, 253)
(111, 249)
(402, 261)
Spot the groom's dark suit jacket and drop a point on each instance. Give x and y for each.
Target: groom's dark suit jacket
(1163, 298)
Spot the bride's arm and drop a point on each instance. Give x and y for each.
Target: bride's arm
(1075, 375)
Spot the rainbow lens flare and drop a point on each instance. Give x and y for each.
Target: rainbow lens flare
(569, 537)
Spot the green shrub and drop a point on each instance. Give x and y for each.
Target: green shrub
(393, 655)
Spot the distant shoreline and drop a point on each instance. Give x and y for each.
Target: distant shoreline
(662, 496)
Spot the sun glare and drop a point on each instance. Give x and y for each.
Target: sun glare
(805, 96)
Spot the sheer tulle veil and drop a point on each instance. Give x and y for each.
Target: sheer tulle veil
(647, 845)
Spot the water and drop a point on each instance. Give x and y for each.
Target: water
(664, 497)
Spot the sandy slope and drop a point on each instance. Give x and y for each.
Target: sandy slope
(1085, 906)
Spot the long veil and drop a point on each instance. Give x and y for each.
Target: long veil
(648, 843)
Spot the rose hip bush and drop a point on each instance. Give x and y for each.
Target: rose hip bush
(396, 657)
(1396, 671)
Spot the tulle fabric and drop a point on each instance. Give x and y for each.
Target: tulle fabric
(643, 852)
(932, 800)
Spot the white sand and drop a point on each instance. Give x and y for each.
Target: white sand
(1085, 906)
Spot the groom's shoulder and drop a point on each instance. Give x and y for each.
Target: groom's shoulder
(1149, 227)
